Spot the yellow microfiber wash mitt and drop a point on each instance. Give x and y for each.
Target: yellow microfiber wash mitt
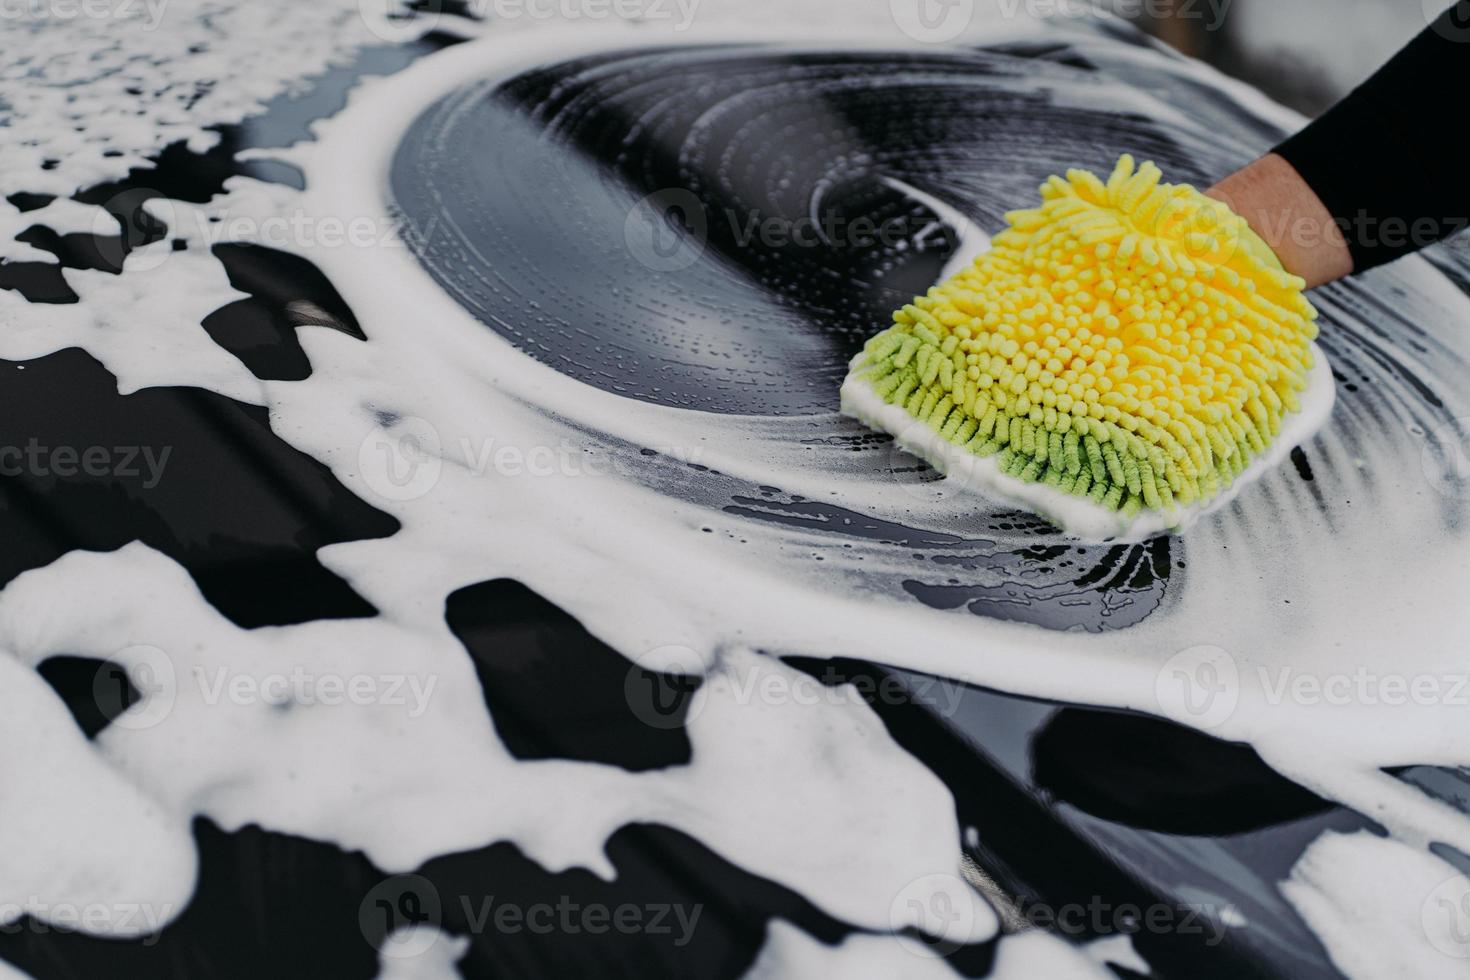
(1131, 345)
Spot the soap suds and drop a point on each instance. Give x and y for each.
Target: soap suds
(121, 869)
(1374, 903)
(99, 88)
(360, 773)
(357, 777)
(789, 952)
(422, 953)
(1038, 954)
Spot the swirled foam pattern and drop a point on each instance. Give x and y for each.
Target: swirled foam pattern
(696, 228)
(583, 434)
(615, 214)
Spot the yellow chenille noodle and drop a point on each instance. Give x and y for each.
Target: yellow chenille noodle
(1132, 341)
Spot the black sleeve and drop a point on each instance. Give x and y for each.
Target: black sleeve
(1389, 161)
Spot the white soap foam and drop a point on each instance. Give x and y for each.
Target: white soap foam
(1374, 902)
(358, 774)
(1009, 659)
(120, 870)
(972, 242)
(1118, 950)
(789, 952)
(636, 569)
(195, 64)
(177, 289)
(421, 953)
(63, 216)
(1038, 954)
(1311, 560)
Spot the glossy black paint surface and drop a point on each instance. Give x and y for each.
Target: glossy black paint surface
(1069, 805)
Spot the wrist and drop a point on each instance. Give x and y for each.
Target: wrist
(1289, 217)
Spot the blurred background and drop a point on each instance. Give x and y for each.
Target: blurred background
(1303, 53)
